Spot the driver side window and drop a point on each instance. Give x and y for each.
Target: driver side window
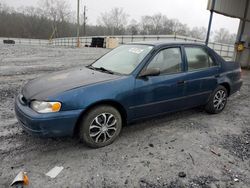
(167, 60)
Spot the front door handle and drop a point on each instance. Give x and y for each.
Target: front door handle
(181, 82)
(217, 76)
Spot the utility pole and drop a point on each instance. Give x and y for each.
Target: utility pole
(78, 23)
(84, 21)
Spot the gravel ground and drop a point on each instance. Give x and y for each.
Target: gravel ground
(209, 150)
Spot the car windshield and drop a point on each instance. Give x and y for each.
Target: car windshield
(123, 59)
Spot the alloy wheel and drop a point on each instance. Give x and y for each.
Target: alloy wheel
(103, 127)
(220, 99)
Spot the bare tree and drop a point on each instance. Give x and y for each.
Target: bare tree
(198, 33)
(146, 25)
(32, 22)
(158, 20)
(35, 22)
(155, 24)
(115, 20)
(5, 9)
(223, 36)
(233, 38)
(56, 10)
(159, 24)
(133, 27)
(179, 28)
(168, 26)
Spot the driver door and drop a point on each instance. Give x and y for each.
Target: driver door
(165, 92)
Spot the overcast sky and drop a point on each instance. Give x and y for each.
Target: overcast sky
(191, 12)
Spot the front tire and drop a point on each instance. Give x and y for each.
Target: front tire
(100, 126)
(217, 100)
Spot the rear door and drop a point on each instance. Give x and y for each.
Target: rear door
(202, 72)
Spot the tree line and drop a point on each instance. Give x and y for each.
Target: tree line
(53, 18)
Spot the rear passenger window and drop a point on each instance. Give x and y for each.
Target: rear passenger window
(198, 58)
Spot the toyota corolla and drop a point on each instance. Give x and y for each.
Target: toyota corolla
(131, 82)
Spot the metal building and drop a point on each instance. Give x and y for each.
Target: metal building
(236, 9)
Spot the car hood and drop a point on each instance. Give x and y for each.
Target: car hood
(52, 84)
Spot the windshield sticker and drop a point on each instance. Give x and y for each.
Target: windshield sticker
(136, 50)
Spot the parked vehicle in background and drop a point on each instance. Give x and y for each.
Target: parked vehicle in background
(131, 82)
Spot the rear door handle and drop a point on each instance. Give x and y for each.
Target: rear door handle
(217, 76)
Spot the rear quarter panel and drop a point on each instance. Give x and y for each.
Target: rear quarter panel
(231, 74)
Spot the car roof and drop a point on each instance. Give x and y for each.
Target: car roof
(168, 42)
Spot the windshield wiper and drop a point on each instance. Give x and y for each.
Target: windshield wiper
(100, 69)
(90, 67)
(104, 70)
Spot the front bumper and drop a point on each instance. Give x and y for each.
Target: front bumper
(46, 125)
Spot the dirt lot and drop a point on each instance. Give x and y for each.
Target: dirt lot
(212, 150)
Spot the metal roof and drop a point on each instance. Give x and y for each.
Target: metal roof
(233, 8)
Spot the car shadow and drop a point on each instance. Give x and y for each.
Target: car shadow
(162, 120)
(29, 143)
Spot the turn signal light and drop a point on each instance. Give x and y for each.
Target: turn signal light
(56, 107)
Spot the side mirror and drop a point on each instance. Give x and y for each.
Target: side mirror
(150, 72)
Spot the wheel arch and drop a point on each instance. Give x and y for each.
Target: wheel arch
(227, 86)
(112, 103)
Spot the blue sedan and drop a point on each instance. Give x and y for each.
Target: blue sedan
(131, 82)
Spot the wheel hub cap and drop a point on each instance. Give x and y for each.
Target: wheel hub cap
(103, 127)
(219, 100)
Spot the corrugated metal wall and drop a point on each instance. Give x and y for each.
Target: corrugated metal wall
(232, 8)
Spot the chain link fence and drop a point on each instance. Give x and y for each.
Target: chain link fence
(225, 50)
(26, 41)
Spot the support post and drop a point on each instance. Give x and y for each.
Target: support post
(244, 20)
(78, 23)
(84, 21)
(210, 22)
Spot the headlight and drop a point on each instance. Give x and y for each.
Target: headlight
(45, 107)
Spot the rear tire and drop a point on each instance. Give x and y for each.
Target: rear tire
(100, 126)
(217, 100)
